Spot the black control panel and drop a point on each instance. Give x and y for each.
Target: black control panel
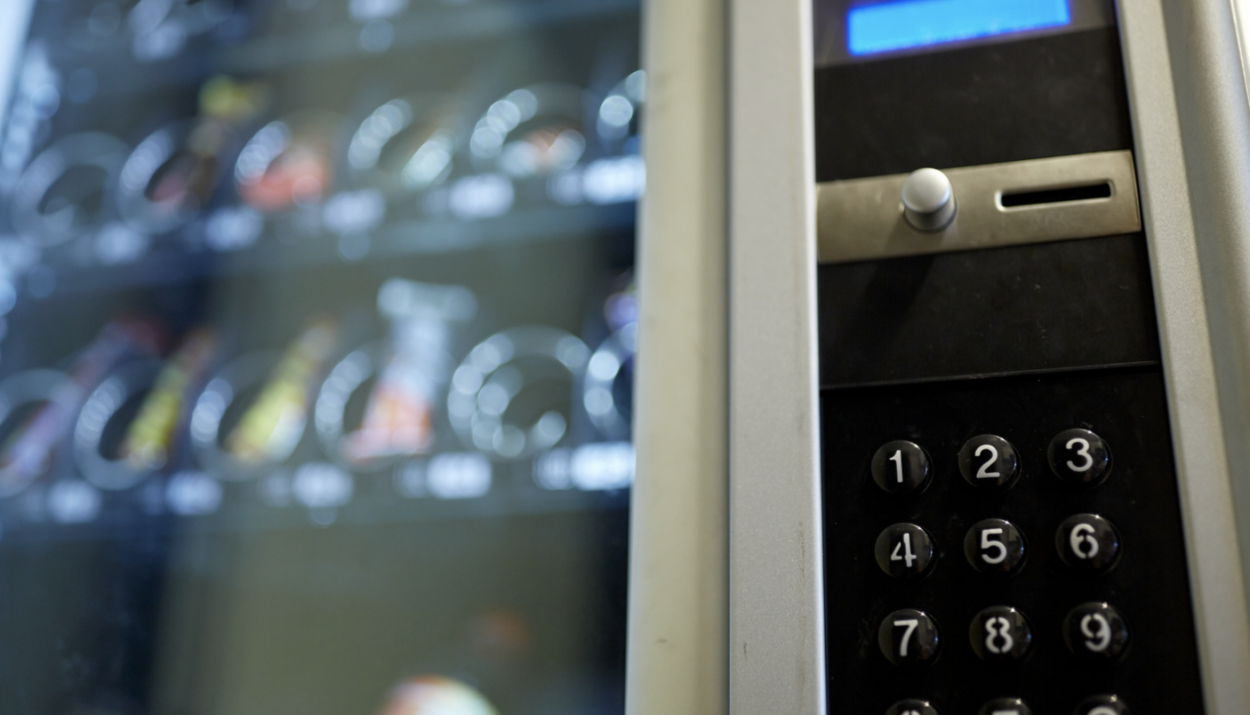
(1002, 525)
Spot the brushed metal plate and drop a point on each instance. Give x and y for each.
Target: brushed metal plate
(862, 219)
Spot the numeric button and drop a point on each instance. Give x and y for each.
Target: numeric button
(989, 462)
(1096, 631)
(1102, 705)
(909, 637)
(912, 706)
(904, 551)
(1000, 634)
(1005, 706)
(995, 546)
(901, 467)
(1078, 456)
(1087, 542)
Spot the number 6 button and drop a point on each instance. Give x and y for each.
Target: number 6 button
(1079, 456)
(1095, 631)
(1087, 542)
(989, 462)
(995, 546)
(909, 637)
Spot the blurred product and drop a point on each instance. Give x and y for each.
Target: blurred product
(174, 173)
(405, 146)
(272, 424)
(532, 131)
(288, 162)
(150, 438)
(64, 190)
(436, 695)
(399, 415)
(28, 452)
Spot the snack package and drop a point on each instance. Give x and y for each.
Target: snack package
(149, 440)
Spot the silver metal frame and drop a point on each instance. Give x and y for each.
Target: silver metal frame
(776, 569)
(1191, 121)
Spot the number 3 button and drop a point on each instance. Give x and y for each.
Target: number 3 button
(995, 546)
(909, 637)
(1095, 631)
(989, 462)
(1079, 456)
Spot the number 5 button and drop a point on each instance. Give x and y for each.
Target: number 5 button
(1095, 631)
(989, 462)
(1079, 456)
(1087, 542)
(995, 546)
(909, 637)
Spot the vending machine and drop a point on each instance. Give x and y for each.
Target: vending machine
(318, 322)
(988, 330)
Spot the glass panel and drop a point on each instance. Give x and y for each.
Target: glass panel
(317, 327)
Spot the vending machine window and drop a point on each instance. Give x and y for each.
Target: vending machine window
(317, 333)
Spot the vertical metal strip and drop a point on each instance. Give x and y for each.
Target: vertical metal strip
(776, 569)
(14, 20)
(1187, 114)
(678, 620)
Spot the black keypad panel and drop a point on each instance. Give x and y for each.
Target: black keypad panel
(1021, 570)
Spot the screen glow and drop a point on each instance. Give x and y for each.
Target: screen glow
(918, 23)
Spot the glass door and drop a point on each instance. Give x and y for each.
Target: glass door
(317, 330)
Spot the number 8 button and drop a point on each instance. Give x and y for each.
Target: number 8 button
(995, 546)
(1000, 634)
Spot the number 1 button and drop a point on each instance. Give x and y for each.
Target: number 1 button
(901, 467)
(909, 637)
(989, 462)
(995, 546)
(904, 551)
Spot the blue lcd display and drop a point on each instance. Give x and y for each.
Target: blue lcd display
(904, 24)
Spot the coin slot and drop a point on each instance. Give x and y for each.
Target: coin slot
(1067, 194)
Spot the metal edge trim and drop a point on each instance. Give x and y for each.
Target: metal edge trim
(1194, 379)
(777, 649)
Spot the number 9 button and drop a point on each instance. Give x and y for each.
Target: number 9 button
(1078, 456)
(1095, 631)
(995, 546)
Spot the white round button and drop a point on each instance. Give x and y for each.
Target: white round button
(928, 200)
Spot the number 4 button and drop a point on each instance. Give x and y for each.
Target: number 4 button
(904, 551)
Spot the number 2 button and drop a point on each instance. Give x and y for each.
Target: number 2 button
(995, 546)
(909, 637)
(904, 551)
(989, 462)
